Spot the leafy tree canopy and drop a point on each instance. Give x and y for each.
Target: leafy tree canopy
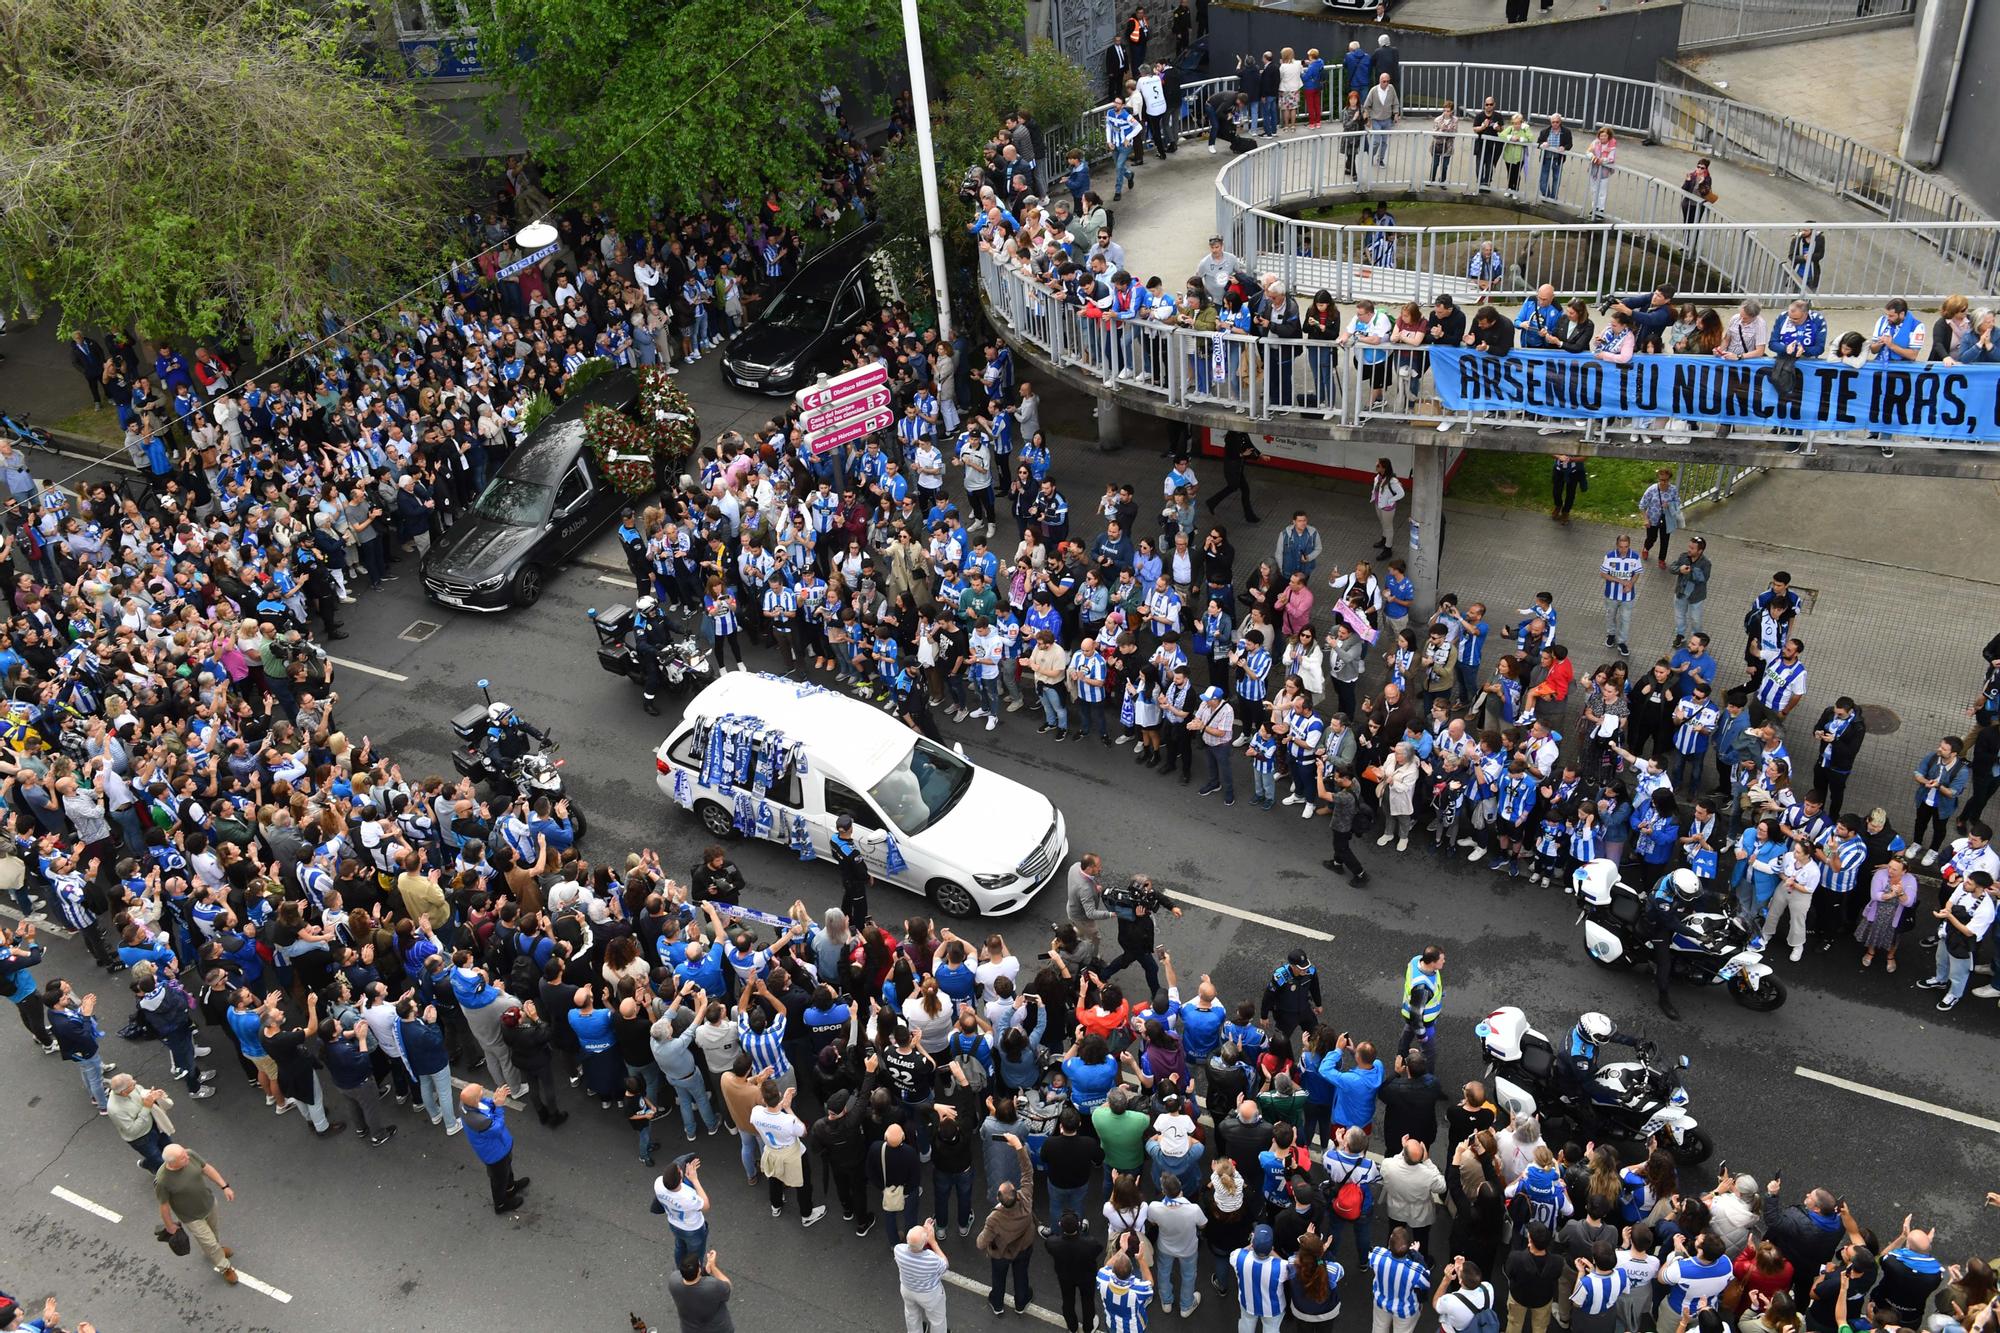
(717, 99)
(193, 167)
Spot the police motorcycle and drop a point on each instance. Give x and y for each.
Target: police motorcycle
(643, 643)
(500, 749)
(1627, 1099)
(1710, 948)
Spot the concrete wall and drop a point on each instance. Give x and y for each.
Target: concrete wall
(1971, 154)
(1627, 42)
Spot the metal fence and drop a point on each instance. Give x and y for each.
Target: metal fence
(1272, 379)
(1652, 234)
(1087, 131)
(1716, 22)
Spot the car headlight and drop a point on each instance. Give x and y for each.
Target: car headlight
(485, 584)
(779, 372)
(993, 881)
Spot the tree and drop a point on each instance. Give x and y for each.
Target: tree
(684, 102)
(196, 168)
(1041, 81)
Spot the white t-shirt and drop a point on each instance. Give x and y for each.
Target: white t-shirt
(683, 1205)
(1008, 967)
(1175, 1132)
(1804, 872)
(778, 1128)
(1117, 1223)
(1457, 1309)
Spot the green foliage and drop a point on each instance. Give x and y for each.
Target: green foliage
(536, 411)
(589, 372)
(1041, 80)
(706, 99)
(190, 168)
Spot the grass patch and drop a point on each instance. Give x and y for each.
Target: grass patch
(91, 425)
(1427, 213)
(1521, 481)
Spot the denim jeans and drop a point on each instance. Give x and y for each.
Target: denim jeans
(315, 1110)
(690, 1242)
(1054, 711)
(92, 1069)
(1218, 770)
(439, 1100)
(1263, 784)
(752, 1148)
(151, 1146)
(1067, 1199)
(1955, 970)
(1177, 1273)
(1267, 114)
(1121, 168)
(1552, 175)
(1687, 616)
(1086, 711)
(950, 1185)
(1618, 619)
(695, 1105)
(988, 688)
(1360, 1225)
(1378, 140)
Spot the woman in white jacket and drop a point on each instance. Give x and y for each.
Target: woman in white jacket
(1305, 658)
(1398, 789)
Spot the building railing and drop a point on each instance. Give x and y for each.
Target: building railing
(1087, 130)
(1652, 233)
(1274, 379)
(1715, 22)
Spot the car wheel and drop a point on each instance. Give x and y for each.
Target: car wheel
(951, 898)
(715, 819)
(527, 587)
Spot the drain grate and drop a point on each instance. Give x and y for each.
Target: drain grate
(420, 630)
(1882, 720)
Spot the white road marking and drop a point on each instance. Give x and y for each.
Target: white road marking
(95, 1209)
(973, 1284)
(365, 669)
(278, 1294)
(41, 927)
(1898, 1099)
(1241, 914)
(620, 583)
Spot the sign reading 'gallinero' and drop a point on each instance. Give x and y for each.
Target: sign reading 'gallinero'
(1941, 402)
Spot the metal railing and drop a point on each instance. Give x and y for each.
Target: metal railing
(1263, 379)
(1652, 234)
(1087, 130)
(1715, 22)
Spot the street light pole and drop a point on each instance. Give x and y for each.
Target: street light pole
(913, 45)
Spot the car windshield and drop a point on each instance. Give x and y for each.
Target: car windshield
(511, 500)
(922, 787)
(799, 306)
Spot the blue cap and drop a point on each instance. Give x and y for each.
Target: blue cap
(1213, 692)
(1261, 1239)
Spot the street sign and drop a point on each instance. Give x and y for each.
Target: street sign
(852, 431)
(845, 409)
(828, 392)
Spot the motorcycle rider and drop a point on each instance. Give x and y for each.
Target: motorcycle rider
(506, 740)
(1576, 1063)
(1673, 900)
(651, 633)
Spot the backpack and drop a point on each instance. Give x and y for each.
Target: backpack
(1348, 1199)
(1484, 1319)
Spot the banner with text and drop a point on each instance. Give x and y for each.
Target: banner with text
(1940, 402)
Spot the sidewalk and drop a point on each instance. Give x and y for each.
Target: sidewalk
(1782, 78)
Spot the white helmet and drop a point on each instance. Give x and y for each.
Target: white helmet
(1597, 1027)
(497, 713)
(647, 605)
(1686, 884)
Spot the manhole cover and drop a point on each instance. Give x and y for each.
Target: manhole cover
(420, 630)
(1881, 719)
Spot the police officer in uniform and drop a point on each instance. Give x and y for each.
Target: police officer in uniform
(1673, 898)
(634, 544)
(1423, 1003)
(1292, 999)
(651, 633)
(854, 874)
(1576, 1063)
(913, 704)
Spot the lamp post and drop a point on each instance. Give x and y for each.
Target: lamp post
(913, 46)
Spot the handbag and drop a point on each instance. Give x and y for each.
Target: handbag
(175, 1240)
(893, 1196)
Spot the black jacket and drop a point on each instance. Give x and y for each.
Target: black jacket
(1409, 1108)
(723, 885)
(1076, 1257)
(1847, 744)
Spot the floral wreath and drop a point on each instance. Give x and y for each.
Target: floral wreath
(635, 454)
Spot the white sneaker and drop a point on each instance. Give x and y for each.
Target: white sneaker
(1239, 742)
(202, 1050)
(1402, 844)
(347, 601)
(977, 712)
(453, 1128)
(1307, 813)
(1477, 853)
(1798, 952)
(813, 1216)
(1383, 841)
(1930, 858)
(288, 1106)
(670, 370)
(1983, 969)
(1211, 148)
(992, 722)
(1468, 842)
(1295, 798)
(1444, 428)
(1987, 992)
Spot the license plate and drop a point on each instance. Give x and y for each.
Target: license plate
(448, 599)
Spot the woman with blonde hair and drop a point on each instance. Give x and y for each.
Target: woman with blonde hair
(1291, 82)
(1232, 1211)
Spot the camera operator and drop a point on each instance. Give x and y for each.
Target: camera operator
(1136, 906)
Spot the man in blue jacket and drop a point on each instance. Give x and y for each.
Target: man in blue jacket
(485, 1120)
(75, 1027)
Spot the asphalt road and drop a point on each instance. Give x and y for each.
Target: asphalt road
(403, 1231)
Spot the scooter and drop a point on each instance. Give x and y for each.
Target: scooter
(1709, 949)
(1631, 1099)
(533, 774)
(683, 661)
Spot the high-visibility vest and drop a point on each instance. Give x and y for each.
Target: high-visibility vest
(1413, 976)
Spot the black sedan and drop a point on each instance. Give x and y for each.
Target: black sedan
(800, 330)
(548, 499)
